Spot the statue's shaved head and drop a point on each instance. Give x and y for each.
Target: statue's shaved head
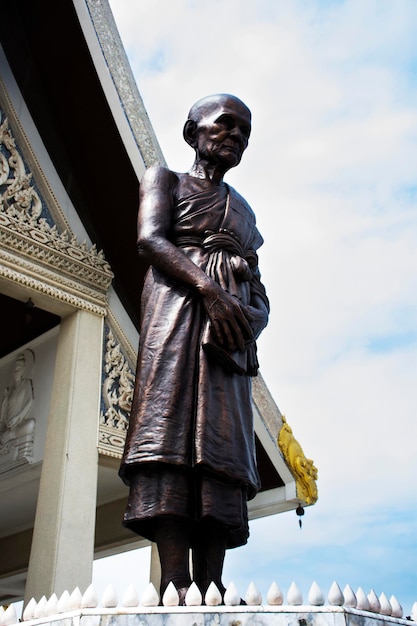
(208, 104)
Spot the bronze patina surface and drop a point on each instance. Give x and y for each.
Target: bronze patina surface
(190, 454)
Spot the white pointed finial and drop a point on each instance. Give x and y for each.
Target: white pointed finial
(90, 598)
(193, 596)
(335, 596)
(40, 608)
(397, 609)
(386, 608)
(362, 602)
(315, 595)
(374, 604)
(51, 607)
(349, 597)
(274, 596)
(231, 596)
(29, 610)
(109, 599)
(9, 616)
(213, 596)
(64, 602)
(75, 599)
(130, 598)
(414, 612)
(170, 597)
(253, 596)
(294, 595)
(150, 596)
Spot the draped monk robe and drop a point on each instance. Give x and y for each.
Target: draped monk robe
(192, 399)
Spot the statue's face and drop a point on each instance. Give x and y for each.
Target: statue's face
(222, 133)
(19, 366)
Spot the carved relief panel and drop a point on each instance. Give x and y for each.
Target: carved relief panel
(117, 393)
(17, 426)
(37, 250)
(25, 388)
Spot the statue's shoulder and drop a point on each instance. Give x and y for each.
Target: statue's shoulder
(160, 176)
(240, 202)
(187, 185)
(241, 206)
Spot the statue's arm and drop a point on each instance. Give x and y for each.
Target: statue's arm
(259, 303)
(259, 315)
(156, 202)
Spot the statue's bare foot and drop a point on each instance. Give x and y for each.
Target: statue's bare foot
(182, 592)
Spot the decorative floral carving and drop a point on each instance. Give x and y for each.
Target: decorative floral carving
(303, 469)
(36, 239)
(117, 394)
(19, 193)
(33, 251)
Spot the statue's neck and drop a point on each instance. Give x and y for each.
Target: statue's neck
(206, 171)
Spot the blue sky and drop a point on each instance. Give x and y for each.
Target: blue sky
(331, 174)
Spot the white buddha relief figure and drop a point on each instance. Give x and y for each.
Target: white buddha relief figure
(17, 427)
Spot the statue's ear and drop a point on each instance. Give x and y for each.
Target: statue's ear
(189, 132)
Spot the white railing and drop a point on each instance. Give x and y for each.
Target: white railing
(46, 608)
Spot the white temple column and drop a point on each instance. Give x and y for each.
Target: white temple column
(63, 538)
(155, 573)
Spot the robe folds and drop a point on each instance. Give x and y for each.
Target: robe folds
(192, 406)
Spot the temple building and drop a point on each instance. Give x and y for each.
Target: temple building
(75, 140)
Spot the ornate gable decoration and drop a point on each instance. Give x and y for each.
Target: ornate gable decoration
(303, 469)
(116, 396)
(33, 253)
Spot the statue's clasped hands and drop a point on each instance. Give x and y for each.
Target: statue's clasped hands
(230, 319)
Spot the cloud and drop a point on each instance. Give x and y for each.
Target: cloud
(122, 570)
(376, 553)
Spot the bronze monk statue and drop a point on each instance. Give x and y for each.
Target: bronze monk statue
(190, 453)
